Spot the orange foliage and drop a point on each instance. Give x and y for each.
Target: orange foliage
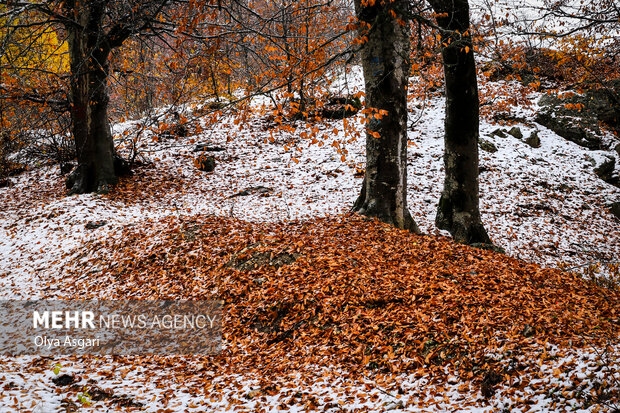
(351, 292)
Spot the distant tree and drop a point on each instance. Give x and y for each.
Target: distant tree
(92, 29)
(458, 210)
(34, 65)
(384, 26)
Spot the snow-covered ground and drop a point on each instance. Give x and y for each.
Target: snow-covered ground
(168, 385)
(544, 205)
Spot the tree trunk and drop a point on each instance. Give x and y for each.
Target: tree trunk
(385, 62)
(89, 99)
(458, 210)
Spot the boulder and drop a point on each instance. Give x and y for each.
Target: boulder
(487, 146)
(577, 117)
(95, 224)
(205, 147)
(63, 380)
(533, 140)
(205, 163)
(605, 168)
(259, 190)
(604, 102)
(615, 209)
(340, 107)
(516, 132)
(570, 129)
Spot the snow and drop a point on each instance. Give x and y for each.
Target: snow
(331, 389)
(544, 205)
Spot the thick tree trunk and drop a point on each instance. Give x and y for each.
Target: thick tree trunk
(458, 210)
(91, 129)
(385, 61)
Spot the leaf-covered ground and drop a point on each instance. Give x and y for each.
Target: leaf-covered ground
(368, 294)
(348, 314)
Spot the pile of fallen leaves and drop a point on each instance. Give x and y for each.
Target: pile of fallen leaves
(350, 292)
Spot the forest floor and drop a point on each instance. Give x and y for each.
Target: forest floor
(376, 319)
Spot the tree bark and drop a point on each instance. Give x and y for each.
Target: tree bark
(385, 62)
(458, 210)
(89, 53)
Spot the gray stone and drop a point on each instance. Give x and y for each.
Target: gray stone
(615, 209)
(516, 132)
(205, 147)
(95, 224)
(205, 163)
(570, 129)
(546, 100)
(578, 117)
(487, 146)
(499, 132)
(605, 169)
(258, 190)
(528, 331)
(63, 380)
(533, 140)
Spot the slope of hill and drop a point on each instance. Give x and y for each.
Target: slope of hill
(421, 302)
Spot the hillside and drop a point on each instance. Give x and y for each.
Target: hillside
(326, 311)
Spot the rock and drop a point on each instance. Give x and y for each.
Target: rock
(516, 132)
(615, 209)
(66, 406)
(205, 163)
(547, 100)
(260, 190)
(204, 147)
(63, 380)
(487, 146)
(533, 140)
(96, 393)
(95, 224)
(253, 393)
(604, 103)
(577, 117)
(339, 107)
(569, 128)
(617, 148)
(180, 128)
(489, 382)
(216, 105)
(499, 132)
(605, 168)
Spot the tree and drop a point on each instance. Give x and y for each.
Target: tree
(93, 29)
(385, 61)
(458, 210)
(34, 65)
(90, 44)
